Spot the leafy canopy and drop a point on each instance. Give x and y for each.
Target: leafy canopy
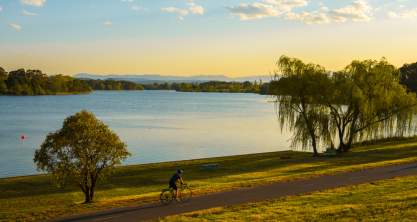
(296, 93)
(84, 150)
(363, 101)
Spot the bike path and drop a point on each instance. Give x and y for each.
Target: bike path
(247, 195)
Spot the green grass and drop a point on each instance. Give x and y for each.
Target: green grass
(35, 198)
(389, 200)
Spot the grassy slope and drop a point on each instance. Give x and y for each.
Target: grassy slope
(389, 200)
(35, 198)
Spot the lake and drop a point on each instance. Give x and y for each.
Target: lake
(157, 126)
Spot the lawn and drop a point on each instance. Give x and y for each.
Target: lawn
(388, 200)
(35, 198)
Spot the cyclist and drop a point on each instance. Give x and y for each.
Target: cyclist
(177, 177)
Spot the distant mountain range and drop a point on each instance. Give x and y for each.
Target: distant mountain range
(147, 79)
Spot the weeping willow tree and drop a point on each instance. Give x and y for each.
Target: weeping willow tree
(364, 101)
(295, 92)
(367, 101)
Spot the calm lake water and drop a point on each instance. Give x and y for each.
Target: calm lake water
(156, 125)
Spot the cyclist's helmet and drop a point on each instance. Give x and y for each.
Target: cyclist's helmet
(179, 171)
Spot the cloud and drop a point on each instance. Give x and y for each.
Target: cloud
(37, 3)
(255, 10)
(181, 13)
(192, 8)
(1, 8)
(404, 14)
(108, 23)
(358, 11)
(27, 13)
(265, 8)
(15, 27)
(314, 17)
(196, 9)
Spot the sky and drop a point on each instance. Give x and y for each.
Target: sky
(201, 37)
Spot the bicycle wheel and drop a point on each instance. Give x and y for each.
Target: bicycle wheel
(185, 194)
(166, 197)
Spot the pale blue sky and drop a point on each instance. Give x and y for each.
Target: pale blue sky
(184, 37)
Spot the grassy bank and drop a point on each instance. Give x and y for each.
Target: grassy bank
(36, 198)
(389, 200)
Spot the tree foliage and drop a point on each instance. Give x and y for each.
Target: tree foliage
(83, 151)
(34, 82)
(3, 78)
(408, 76)
(110, 84)
(363, 101)
(367, 101)
(295, 96)
(212, 86)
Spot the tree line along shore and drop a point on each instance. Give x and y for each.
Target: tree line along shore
(34, 82)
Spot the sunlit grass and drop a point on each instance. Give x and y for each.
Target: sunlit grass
(36, 198)
(389, 200)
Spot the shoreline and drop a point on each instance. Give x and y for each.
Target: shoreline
(208, 159)
(151, 90)
(386, 141)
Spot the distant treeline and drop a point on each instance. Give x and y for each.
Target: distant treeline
(213, 86)
(96, 84)
(34, 82)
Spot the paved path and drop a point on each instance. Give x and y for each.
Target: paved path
(240, 196)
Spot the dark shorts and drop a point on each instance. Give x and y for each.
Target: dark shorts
(173, 186)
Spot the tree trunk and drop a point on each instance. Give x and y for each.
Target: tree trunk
(93, 185)
(310, 129)
(314, 144)
(348, 146)
(87, 195)
(345, 147)
(91, 194)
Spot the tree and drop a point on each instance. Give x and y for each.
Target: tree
(3, 78)
(368, 101)
(364, 101)
(295, 94)
(83, 151)
(408, 76)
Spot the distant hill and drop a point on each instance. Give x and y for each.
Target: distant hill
(147, 79)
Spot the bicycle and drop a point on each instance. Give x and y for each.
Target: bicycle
(168, 195)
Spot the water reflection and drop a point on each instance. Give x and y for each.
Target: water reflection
(156, 125)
